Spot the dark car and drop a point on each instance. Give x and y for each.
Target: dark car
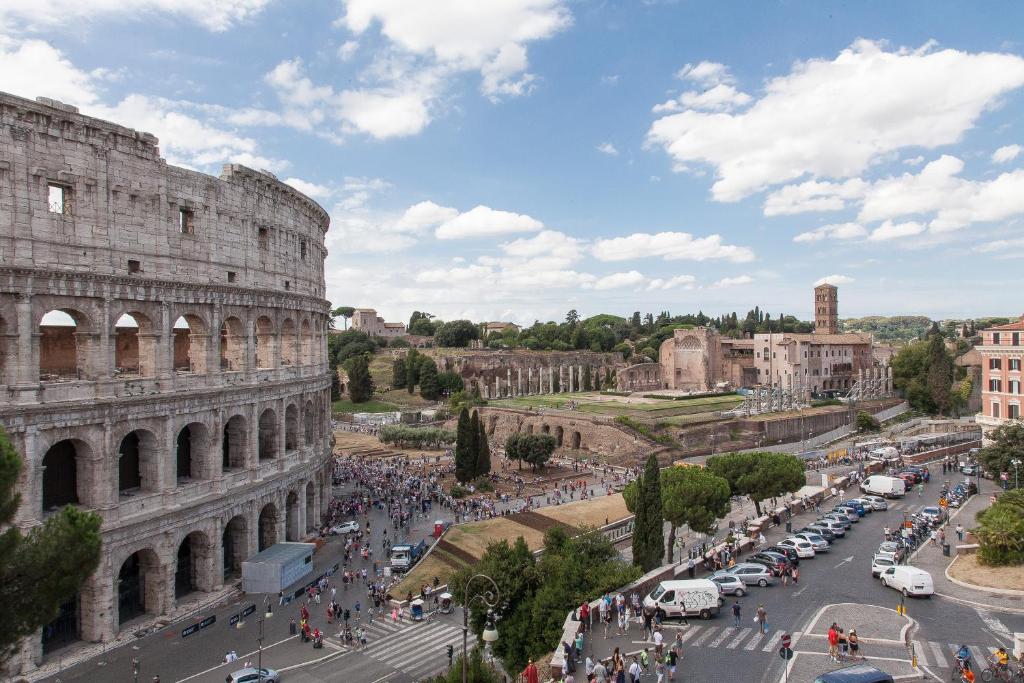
(790, 553)
(822, 531)
(915, 476)
(856, 505)
(774, 561)
(858, 673)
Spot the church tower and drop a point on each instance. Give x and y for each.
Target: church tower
(826, 309)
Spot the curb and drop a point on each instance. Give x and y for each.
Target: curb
(981, 605)
(985, 589)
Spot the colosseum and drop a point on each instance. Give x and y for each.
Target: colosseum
(162, 361)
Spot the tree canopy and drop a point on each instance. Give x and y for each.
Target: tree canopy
(648, 535)
(41, 570)
(1000, 530)
(533, 449)
(360, 383)
(465, 455)
(456, 333)
(923, 371)
(1007, 445)
(430, 389)
(760, 475)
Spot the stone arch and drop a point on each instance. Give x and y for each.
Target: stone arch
(529, 429)
(307, 423)
(690, 343)
(65, 628)
(268, 431)
(139, 585)
(192, 564)
(545, 429)
(65, 346)
(138, 463)
(266, 343)
(134, 345)
(305, 343)
(64, 481)
(232, 345)
(192, 453)
(268, 522)
(235, 545)
(289, 343)
(310, 507)
(235, 443)
(191, 339)
(292, 528)
(291, 428)
(577, 440)
(559, 434)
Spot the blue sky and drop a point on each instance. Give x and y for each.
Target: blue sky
(513, 159)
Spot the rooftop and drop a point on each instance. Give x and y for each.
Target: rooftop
(1018, 325)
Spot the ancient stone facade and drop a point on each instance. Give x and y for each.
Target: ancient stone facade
(162, 360)
(826, 309)
(639, 377)
(690, 359)
(366, 320)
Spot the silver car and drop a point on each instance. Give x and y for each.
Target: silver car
(838, 518)
(819, 544)
(876, 502)
(729, 584)
(251, 674)
(835, 526)
(750, 574)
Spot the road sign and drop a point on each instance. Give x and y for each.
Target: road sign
(786, 652)
(786, 641)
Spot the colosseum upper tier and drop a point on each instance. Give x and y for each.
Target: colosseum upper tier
(162, 359)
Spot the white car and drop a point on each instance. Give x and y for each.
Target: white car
(879, 563)
(876, 502)
(803, 548)
(345, 528)
(889, 550)
(819, 544)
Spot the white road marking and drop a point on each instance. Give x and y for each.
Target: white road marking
(919, 651)
(703, 636)
(940, 659)
(770, 645)
(725, 634)
(738, 639)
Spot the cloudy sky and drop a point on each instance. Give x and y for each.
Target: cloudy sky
(513, 159)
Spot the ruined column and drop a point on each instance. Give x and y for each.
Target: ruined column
(508, 382)
(551, 380)
(580, 383)
(529, 380)
(497, 386)
(571, 372)
(519, 381)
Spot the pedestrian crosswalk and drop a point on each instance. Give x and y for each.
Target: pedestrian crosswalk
(418, 649)
(728, 638)
(931, 653)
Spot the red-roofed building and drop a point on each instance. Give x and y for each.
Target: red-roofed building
(1002, 357)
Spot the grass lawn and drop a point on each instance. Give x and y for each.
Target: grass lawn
(475, 537)
(588, 512)
(347, 406)
(438, 563)
(967, 569)
(605, 405)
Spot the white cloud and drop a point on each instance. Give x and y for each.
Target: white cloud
(813, 195)
(914, 161)
(684, 281)
(732, 282)
(310, 189)
(708, 74)
(483, 221)
(889, 230)
(1008, 248)
(548, 243)
(721, 97)
(671, 246)
(618, 280)
(424, 215)
(214, 15)
(348, 50)
(608, 148)
(836, 231)
(834, 280)
(823, 118)
(489, 37)
(31, 68)
(1006, 154)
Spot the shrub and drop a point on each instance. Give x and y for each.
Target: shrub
(458, 491)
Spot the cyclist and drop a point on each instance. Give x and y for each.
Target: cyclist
(963, 658)
(1001, 660)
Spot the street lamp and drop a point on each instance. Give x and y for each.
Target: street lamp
(1016, 472)
(490, 635)
(259, 656)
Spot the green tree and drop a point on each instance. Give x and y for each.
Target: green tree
(429, 387)
(474, 442)
(423, 327)
(866, 422)
(344, 312)
(412, 369)
(360, 383)
(1007, 445)
(335, 387)
(465, 457)
(588, 379)
(450, 382)
(398, 373)
(456, 334)
(1000, 531)
(940, 374)
(43, 569)
(483, 458)
(760, 475)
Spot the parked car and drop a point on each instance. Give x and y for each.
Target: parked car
(879, 563)
(891, 550)
(877, 502)
(774, 561)
(932, 513)
(915, 475)
(855, 505)
(817, 542)
(835, 526)
(841, 520)
(730, 584)
(251, 674)
(750, 573)
(822, 531)
(864, 505)
(349, 527)
(858, 673)
(847, 512)
(802, 547)
(969, 468)
(789, 552)
(908, 580)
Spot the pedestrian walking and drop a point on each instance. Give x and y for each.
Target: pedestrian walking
(635, 671)
(796, 575)
(785, 576)
(530, 673)
(736, 613)
(292, 627)
(959, 532)
(691, 568)
(762, 618)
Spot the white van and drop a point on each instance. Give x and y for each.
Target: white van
(881, 485)
(693, 597)
(908, 580)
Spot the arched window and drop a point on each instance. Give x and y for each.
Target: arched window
(306, 345)
(266, 343)
(268, 527)
(138, 585)
(63, 349)
(310, 507)
(232, 345)
(134, 346)
(60, 476)
(183, 453)
(235, 545)
(137, 462)
(192, 453)
(235, 443)
(307, 423)
(291, 427)
(289, 343)
(193, 555)
(291, 513)
(190, 343)
(268, 435)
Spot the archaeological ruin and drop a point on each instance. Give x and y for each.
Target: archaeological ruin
(162, 361)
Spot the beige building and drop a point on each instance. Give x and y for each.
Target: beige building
(366, 320)
(162, 362)
(1002, 358)
(499, 327)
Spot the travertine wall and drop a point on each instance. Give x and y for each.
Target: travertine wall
(521, 372)
(184, 440)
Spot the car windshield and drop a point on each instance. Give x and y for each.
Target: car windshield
(657, 592)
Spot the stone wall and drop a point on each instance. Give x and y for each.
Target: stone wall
(206, 425)
(639, 377)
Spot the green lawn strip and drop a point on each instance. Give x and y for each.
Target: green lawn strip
(347, 406)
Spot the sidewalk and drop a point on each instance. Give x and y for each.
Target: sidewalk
(935, 563)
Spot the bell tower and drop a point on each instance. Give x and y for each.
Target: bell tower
(826, 309)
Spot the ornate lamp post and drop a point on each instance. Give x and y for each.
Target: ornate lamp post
(488, 598)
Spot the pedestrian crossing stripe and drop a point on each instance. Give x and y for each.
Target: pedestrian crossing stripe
(741, 637)
(419, 650)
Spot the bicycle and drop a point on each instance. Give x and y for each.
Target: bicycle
(1006, 674)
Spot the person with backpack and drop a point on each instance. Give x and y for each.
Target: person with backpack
(736, 609)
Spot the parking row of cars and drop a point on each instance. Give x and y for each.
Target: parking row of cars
(765, 566)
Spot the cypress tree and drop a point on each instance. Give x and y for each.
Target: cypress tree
(412, 370)
(474, 444)
(655, 516)
(430, 389)
(641, 527)
(398, 373)
(483, 460)
(464, 458)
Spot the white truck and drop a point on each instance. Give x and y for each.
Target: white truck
(882, 485)
(692, 597)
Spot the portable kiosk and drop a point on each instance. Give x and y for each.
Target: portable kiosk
(416, 608)
(446, 603)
